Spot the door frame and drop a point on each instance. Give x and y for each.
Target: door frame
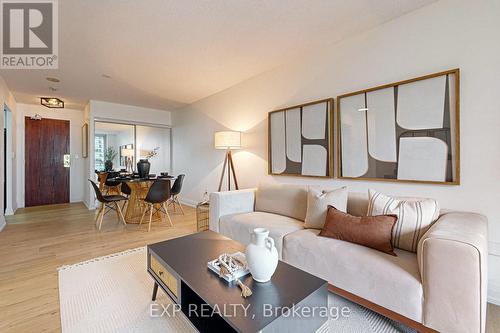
(8, 155)
(22, 137)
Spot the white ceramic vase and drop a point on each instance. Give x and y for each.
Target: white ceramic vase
(261, 255)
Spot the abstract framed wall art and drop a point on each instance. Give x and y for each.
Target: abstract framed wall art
(300, 140)
(404, 131)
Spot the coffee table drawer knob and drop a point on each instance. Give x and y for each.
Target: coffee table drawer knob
(165, 276)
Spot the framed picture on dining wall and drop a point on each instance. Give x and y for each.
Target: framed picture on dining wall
(404, 131)
(126, 152)
(300, 140)
(85, 140)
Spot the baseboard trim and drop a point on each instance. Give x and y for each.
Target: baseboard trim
(2, 222)
(494, 248)
(494, 292)
(86, 204)
(494, 301)
(89, 205)
(493, 286)
(188, 202)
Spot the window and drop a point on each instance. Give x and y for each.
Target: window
(100, 147)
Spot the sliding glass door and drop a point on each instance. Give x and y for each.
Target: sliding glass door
(122, 145)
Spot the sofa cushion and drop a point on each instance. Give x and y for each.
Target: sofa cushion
(372, 231)
(392, 282)
(283, 199)
(318, 202)
(415, 216)
(240, 226)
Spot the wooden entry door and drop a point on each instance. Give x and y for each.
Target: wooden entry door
(46, 176)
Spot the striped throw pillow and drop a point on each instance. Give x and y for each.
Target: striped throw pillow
(415, 216)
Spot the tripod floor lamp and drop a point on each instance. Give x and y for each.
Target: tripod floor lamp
(228, 140)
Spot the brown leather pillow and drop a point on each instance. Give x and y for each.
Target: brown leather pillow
(371, 231)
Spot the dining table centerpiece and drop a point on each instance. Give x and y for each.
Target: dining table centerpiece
(143, 166)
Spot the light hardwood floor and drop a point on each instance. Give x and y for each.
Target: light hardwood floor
(38, 240)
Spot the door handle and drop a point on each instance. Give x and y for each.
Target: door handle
(67, 160)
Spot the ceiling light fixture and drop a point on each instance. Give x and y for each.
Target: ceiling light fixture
(53, 79)
(106, 76)
(52, 102)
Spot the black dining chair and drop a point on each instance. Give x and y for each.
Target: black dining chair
(176, 189)
(125, 189)
(109, 202)
(157, 196)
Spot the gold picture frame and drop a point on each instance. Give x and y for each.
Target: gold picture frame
(452, 133)
(311, 149)
(85, 140)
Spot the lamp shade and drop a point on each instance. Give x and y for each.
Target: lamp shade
(227, 140)
(127, 152)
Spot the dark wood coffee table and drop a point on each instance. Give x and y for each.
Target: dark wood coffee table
(179, 268)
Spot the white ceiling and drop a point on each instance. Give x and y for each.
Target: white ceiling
(167, 53)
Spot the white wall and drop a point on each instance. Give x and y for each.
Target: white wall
(99, 110)
(75, 117)
(113, 111)
(7, 98)
(441, 36)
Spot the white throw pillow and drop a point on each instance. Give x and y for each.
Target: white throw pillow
(317, 205)
(415, 216)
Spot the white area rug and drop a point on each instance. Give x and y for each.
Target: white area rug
(113, 294)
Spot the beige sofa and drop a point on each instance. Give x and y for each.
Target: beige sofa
(442, 287)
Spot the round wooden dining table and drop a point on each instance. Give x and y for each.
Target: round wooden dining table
(139, 188)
